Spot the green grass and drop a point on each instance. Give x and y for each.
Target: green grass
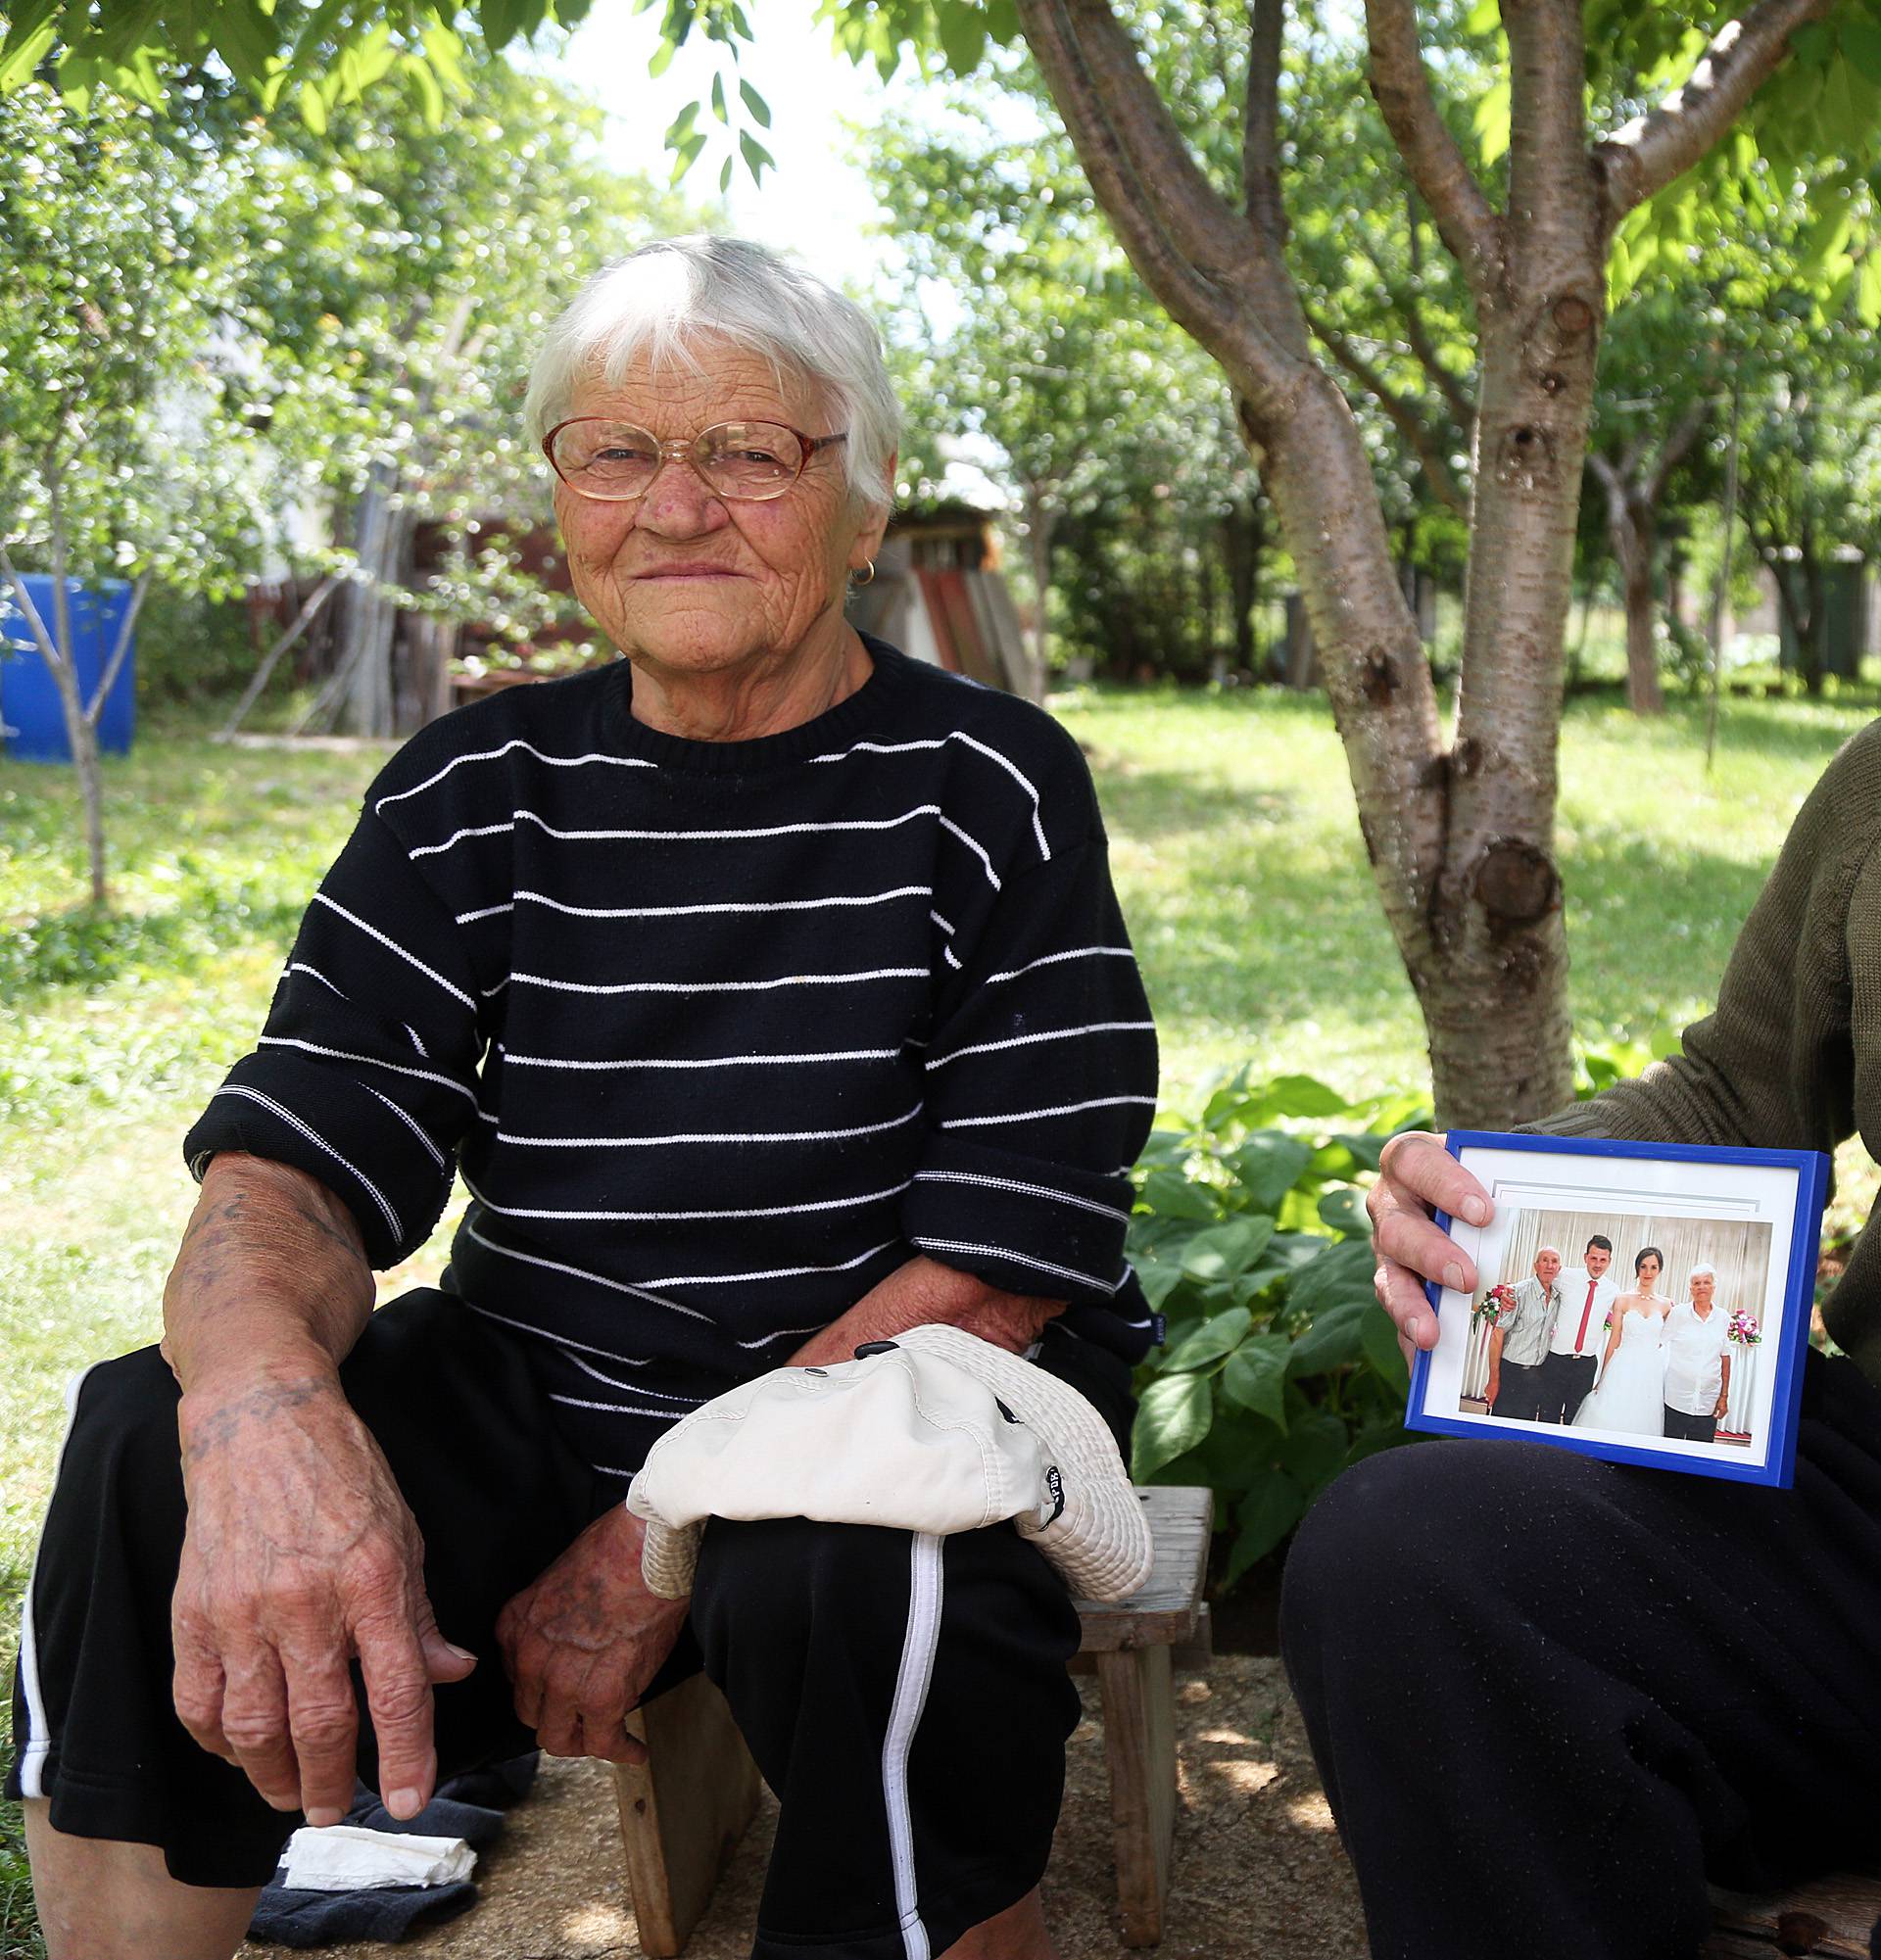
(1236, 854)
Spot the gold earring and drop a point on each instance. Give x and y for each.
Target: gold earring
(864, 577)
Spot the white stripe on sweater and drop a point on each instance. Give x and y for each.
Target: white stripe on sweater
(302, 967)
(634, 1387)
(1011, 768)
(1020, 1186)
(490, 755)
(1052, 960)
(709, 1136)
(391, 945)
(691, 911)
(713, 987)
(1018, 1259)
(636, 836)
(411, 1123)
(676, 1217)
(615, 1408)
(312, 1135)
(574, 1272)
(350, 1055)
(1057, 1109)
(703, 1062)
(771, 1273)
(1048, 1035)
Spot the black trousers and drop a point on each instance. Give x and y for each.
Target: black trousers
(1518, 1392)
(1550, 1695)
(905, 1695)
(1690, 1428)
(1566, 1382)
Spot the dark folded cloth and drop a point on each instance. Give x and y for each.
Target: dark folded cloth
(468, 1807)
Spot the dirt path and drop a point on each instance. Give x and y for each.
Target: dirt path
(1258, 1871)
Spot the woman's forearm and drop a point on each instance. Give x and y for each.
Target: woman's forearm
(924, 1291)
(272, 1278)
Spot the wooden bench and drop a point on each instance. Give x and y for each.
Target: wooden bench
(1829, 1919)
(684, 1810)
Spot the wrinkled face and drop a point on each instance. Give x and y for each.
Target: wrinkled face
(696, 584)
(1547, 1268)
(1648, 1272)
(1704, 1285)
(1599, 1258)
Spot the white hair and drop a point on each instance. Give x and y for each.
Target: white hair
(1543, 1251)
(665, 299)
(1701, 1272)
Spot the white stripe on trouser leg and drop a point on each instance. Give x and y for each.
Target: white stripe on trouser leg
(32, 1756)
(904, 1716)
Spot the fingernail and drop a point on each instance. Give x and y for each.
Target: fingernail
(403, 1804)
(1452, 1276)
(324, 1815)
(1412, 1330)
(462, 1652)
(1476, 1210)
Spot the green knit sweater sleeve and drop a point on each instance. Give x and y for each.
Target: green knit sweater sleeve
(1792, 1057)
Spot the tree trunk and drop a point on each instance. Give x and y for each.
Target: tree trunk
(1460, 839)
(1633, 530)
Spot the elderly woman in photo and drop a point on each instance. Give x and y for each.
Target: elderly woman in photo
(1697, 1360)
(768, 991)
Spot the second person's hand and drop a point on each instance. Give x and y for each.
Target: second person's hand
(1417, 1176)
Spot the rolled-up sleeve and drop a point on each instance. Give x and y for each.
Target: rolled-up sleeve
(1041, 1086)
(365, 1076)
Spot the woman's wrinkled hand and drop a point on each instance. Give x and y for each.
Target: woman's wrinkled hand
(1417, 1175)
(299, 1557)
(583, 1642)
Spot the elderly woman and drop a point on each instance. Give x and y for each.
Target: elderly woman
(768, 991)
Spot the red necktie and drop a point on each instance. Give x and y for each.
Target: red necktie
(1586, 1314)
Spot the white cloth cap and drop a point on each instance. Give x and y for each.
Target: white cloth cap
(937, 1431)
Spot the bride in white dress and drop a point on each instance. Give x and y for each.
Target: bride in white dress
(1631, 1390)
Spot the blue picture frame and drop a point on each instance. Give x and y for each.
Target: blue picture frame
(1777, 1470)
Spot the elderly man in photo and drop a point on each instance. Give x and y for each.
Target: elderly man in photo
(1698, 1362)
(1627, 1681)
(768, 989)
(1574, 1347)
(1519, 1342)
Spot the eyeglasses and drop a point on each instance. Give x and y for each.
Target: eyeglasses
(744, 463)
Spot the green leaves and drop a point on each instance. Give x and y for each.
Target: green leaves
(1173, 1416)
(1281, 1368)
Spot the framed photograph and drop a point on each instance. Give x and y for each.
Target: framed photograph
(1644, 1302)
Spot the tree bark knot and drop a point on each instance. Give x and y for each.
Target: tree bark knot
(1525, 458)
(1799, 1932)
(1516, 883)
(1378, 677)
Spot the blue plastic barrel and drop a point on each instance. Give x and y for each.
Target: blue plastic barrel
(29, 712)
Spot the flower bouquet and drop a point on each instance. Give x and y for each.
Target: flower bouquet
(1743, 1330)
(1493, 1305)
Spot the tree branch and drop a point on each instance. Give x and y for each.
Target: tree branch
(1122, 135)
(1685, 432)
(1404, 417)
(1465, 221)
(1661, 146)
(37, 625)
(121, 650)
(1261, 127)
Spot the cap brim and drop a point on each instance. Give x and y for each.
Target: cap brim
(668, 1557)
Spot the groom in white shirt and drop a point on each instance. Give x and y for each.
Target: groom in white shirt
(1568, 1370)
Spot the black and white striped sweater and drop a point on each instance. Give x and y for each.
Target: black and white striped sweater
(720, 1034)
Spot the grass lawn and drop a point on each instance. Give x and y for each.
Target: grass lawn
(1235, 850)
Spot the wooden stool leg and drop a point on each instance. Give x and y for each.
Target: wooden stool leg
(1139, 1743)
(683, 1811)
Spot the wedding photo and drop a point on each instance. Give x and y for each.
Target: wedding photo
(1635, 1325)
(1640, 1302)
